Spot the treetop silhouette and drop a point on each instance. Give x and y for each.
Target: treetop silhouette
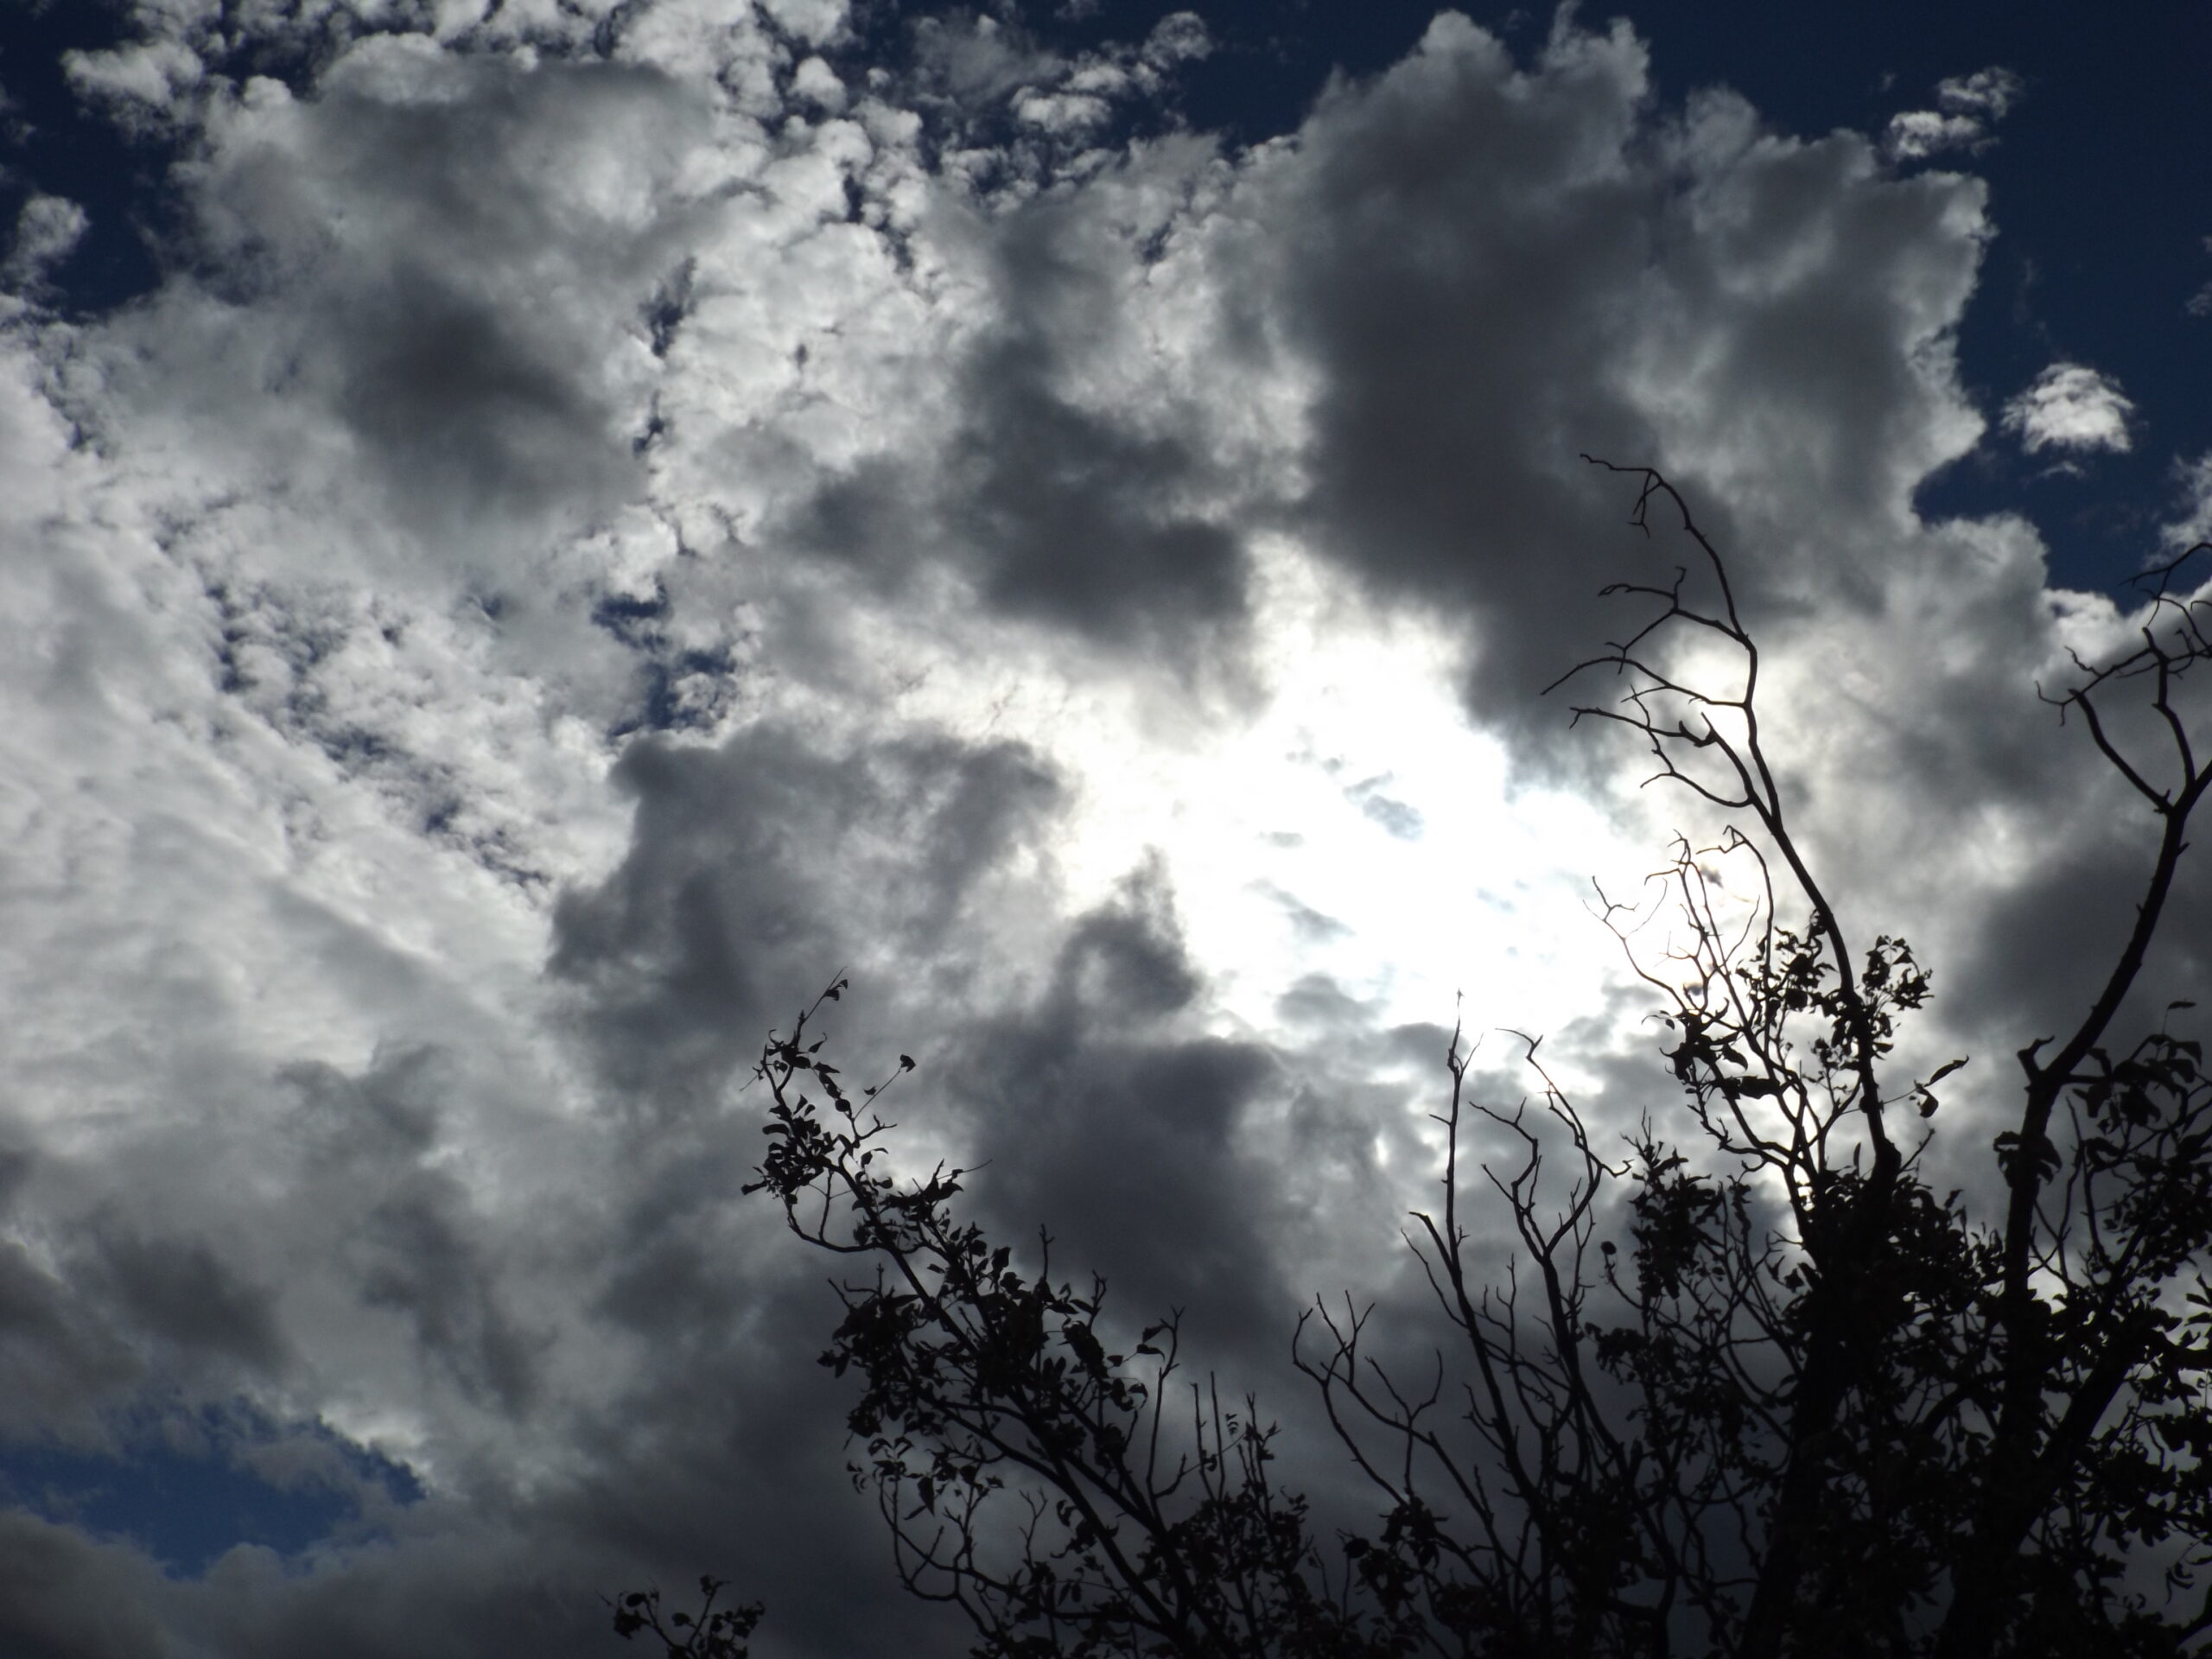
(1806, 1407)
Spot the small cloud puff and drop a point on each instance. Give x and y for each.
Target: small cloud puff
(1395, 816)
(48, 230)
(144, 87)
(817, 83)
(1968, 106)
(1917, 133)
(2070, 407)
(1989, 92)
(2195, 524)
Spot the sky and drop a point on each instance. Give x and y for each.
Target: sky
(535, 534)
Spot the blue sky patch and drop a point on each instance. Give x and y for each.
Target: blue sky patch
(209, 1484)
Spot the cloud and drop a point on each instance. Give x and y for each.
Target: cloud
(1915, 135)
(614, 514)
(1967, 107)
(1088, 89)
(762, 869)
(1145, 1124)
(984, 63)
(2070, 407)
(64, 1594)
(146, 86)
(48, 230)
(1990, 92)
(1569, 286)
(2194, 523)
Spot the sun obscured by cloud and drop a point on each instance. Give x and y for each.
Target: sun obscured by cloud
(614, 513)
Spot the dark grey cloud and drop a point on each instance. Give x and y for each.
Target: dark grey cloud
(1073, 516)
(1195, 1172)
(465, 395)
(1395, 815)
(758, 870)
(1120, 1133)
(63, 1596)
(1100, 517)
(727, 1456)
(1478, 327)
(1466, 319)
(453, 318)
(2042, 955)
(125, 1301)
(57, 1359)
(414, 1244)
(459, 402)
(181, 1291)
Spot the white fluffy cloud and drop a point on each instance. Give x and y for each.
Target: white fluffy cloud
(2071, 407)
(617, 511)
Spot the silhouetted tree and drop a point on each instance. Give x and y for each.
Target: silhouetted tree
(711, 1633)
(1811, 1409)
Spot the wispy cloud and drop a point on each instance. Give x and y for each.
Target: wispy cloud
(1966, 108)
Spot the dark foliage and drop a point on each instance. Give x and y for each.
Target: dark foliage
(711, 1633)
(1812, 1408)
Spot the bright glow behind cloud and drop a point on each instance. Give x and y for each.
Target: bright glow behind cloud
(616, 511)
